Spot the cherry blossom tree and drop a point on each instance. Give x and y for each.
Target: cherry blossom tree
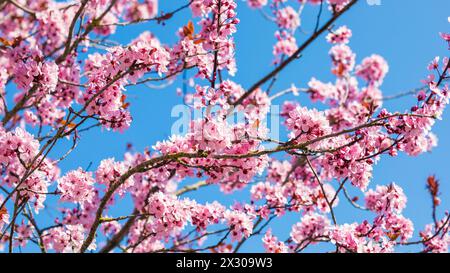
(61, 75)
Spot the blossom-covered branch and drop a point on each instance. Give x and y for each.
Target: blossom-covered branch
(63, 73)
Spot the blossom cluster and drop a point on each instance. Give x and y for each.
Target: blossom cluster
(62, 74)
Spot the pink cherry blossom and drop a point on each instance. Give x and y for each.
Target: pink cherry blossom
(242, 165)
(340, 35)
(307, 124)
(76, 186)
(272, 245)
(241, 224)
(257, 3)
(372, 69)
(312, 226)
(343, 59)
(288, 18)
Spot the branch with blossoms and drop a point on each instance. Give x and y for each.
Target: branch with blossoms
(63, 73)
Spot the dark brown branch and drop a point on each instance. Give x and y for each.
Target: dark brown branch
(296, 54)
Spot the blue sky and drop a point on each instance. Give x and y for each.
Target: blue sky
(404, 32)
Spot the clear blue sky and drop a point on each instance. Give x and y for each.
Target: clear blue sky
(404, 32)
